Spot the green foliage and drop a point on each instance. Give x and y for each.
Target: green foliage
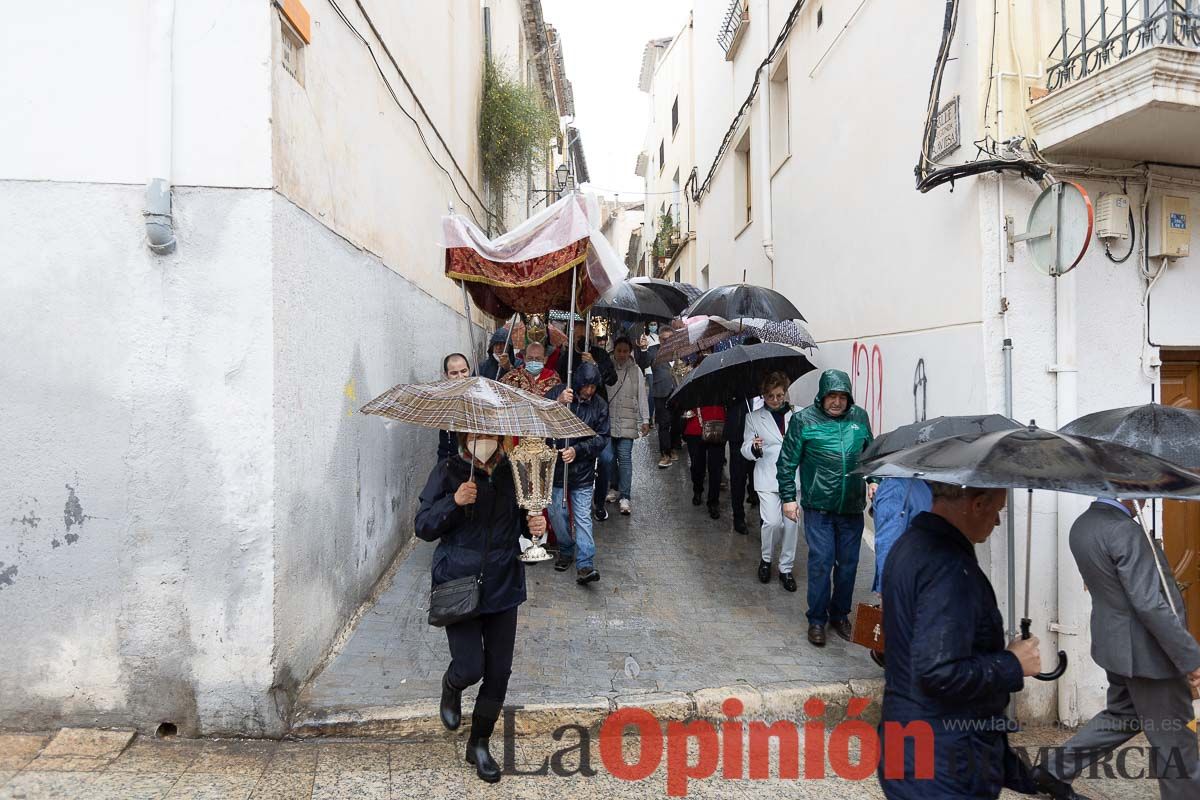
(662, 240)
(514, 127)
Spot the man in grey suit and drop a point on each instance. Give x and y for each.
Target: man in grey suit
(1140, 637)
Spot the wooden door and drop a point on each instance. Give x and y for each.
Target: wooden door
(1181, 520)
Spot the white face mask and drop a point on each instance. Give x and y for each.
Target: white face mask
(483, 449)
(534, 367)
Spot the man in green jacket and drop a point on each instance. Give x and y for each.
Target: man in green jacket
(824, 442)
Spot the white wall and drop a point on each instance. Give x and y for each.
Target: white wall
(137, 457)
(346, 329)
(74, 93)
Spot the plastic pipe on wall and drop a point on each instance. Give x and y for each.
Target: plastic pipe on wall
(160, 229)
(764, 157)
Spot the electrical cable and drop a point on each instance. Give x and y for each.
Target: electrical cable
(745, 107)
(403, 110)
(1132, 242)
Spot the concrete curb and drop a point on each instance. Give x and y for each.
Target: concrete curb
(773, 701)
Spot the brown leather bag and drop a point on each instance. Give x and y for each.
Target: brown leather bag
(868, 627)
(713, 431)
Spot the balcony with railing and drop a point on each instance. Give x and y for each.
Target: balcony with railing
(733, 27)
(1123, 82)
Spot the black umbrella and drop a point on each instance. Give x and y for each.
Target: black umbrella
(743, 301)
(1166, 431)
(937, 428)
(677, 296)
(1033, 458)
(634, 303)
(736, 373)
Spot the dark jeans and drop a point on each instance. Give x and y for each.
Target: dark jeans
(833, 544)
(482, 648)
(708, 458)
(741, 474)
(606, 462)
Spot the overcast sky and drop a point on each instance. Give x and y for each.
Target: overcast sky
(602, 47)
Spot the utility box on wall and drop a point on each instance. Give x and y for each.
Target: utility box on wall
(1170, 227)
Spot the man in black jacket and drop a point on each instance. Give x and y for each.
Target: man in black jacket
(741, 470)
(948, 670)
(575, 540)
(454, 366)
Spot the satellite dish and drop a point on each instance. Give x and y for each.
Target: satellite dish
(1059, 228)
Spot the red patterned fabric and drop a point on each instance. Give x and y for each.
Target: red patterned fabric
(532, 286)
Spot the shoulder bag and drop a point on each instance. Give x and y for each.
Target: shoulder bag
(713, 431)
(458, 600)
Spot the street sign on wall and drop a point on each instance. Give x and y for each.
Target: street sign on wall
(946, 138)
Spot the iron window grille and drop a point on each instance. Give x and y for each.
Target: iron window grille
(731, 24)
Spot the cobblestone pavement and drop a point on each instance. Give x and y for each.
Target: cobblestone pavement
(111, 765)
(678, 608)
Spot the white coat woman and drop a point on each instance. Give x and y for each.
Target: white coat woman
(765, 429)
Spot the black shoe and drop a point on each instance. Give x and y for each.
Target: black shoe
(600, 513)
(739, 526)
(1048, 784)
(788, 581)
(481, 759)
(697, 499)
(878, 658)
(816, 635)
(764, 572)
(562, 563)
(451, 710)
(714, 512)
(586, 575)
(844, 629)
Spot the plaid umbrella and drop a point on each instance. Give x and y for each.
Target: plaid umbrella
(478, 405)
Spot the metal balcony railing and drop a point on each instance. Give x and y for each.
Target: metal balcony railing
(1098, 33)
(731, 24)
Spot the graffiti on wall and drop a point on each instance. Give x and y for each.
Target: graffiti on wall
(920, 392)
(866, 370)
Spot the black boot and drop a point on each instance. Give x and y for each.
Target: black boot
(482, 725)
(451, 710)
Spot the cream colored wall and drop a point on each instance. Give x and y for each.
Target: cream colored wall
(346, 154)
(673, 77)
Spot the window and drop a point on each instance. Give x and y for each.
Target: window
(675, 208)
(661, 154)
(675, 116)
(820, 16)
(678, 275)
(780, 115)
(704, 279)
(744, 186)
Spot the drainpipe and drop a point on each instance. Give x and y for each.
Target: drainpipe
(764, 158)
(160, 231)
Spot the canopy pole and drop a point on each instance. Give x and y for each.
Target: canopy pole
(1026, 621)
(512, 323)
(1010, 520)
(571, 367)
(470, 325)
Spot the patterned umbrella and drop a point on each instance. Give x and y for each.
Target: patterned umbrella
(786, 332)
(477, 405)
(699, 333)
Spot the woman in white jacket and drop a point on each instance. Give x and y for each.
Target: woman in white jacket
(765, 429)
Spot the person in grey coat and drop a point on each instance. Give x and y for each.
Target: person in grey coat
(1140, 637)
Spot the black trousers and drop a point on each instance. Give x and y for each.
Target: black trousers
(482, 649)
(741, 472)
(710, 459)
(670, 427)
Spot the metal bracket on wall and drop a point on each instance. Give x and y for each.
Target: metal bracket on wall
(1065, 630)
(1008, 234)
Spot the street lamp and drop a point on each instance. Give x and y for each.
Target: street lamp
(562, 174)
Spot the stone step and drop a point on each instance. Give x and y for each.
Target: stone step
(420, 721)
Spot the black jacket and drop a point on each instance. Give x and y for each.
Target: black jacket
(490, 368)
(460, 535)
(447, 445)
(735, 422)
(594, 414)
(947, 665)
(604, 362)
